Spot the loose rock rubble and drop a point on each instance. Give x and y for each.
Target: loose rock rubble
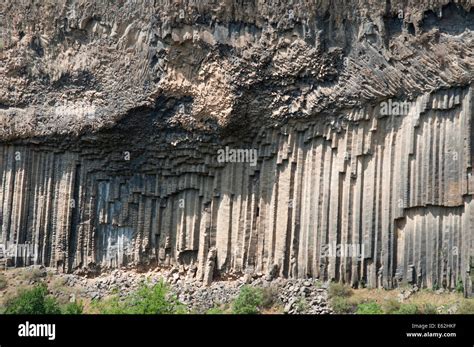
(306, 296)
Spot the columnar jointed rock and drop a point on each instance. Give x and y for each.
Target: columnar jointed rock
(112, 118)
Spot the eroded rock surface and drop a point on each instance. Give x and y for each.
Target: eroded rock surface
(113, 113)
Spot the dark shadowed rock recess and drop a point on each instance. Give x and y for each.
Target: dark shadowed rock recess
(359, 113)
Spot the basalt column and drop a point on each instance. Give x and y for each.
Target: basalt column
(399, 186)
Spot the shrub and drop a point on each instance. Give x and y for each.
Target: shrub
(342, 305)
(155, 299)
(408, 309)
(391, 306)
(249, 301)
(369, 308)
(339, 290)
(33, 301)
(3, 281)
(466, 307)
(74, 308)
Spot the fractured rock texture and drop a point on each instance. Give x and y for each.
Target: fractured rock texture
(112, 116)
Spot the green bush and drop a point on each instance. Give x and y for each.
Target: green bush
(3, 281)
(408, 309)
(466, 307)
(339, 290)
(74, 308)
(249, 301)
(342, 305)
(33, 301)
(155, 299)
(369, 308)
(391, 306)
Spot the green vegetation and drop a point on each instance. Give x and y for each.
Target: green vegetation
(249, 301)
(33, 301)
(408, 309)
(74, 308)
(369, 308)
(155, 299)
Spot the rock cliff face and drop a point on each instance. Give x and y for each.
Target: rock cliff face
(352, 123)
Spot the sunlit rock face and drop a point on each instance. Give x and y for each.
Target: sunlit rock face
(304, 138)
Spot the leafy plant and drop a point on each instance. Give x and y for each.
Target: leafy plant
(408, 309)
(75, 307)
(369, 308)
(155, 299)
(249, 301)
(33, 301)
